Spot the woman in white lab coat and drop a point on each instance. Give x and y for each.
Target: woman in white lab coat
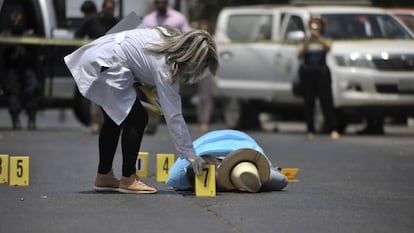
(107, 70)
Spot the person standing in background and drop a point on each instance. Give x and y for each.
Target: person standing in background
(315, 77)
(88, 9)
(205, 91)
(96, 25)
(20, 82)
(163, 15)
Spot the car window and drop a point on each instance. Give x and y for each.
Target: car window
(408, 20)
(295, 23)
(248, 28)
(363, 26)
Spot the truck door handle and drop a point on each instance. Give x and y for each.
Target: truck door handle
(278, 56)
(226, 55)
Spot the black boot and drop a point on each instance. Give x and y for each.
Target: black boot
(31, 124)
(16, 123)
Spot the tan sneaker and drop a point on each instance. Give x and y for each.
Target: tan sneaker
(310, 136)
(132, 184)
(335, 135)
(106, 182)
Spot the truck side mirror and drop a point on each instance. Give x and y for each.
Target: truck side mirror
(295, 35)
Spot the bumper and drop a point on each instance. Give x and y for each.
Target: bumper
(358, 87)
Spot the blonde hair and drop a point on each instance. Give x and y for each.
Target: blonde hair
(187, 54)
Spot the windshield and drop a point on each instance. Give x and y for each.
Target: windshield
(363, 26)
(407, 19)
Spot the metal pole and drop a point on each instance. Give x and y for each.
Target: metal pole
(121, 8)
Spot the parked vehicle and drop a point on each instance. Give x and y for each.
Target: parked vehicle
(371, 61)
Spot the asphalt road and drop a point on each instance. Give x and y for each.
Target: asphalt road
(357, 184)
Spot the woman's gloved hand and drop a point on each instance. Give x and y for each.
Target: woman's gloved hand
(197, 163)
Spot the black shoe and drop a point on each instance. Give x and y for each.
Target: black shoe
(31, 124)
(16, 123)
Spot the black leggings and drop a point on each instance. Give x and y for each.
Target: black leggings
(317, 84)
(132, 131)
(21, 87)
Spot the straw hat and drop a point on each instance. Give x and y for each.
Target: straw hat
(244, 169)
(245, 177)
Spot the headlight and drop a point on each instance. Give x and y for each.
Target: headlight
(355, 60)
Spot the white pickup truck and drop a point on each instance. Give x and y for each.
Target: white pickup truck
(371, 61)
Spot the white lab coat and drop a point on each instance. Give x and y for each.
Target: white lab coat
(106, 69)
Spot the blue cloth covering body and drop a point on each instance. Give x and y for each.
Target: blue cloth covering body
(216, 143)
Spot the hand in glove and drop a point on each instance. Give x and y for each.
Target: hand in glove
(197, 163)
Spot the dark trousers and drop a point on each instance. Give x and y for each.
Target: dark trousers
(132, 131)
(21, 89)
(317, 84)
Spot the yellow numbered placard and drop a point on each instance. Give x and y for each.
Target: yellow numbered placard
(4, 169)
(142, 164)
(205, 183)
(19, 171)
(290, 173)
(164, 163)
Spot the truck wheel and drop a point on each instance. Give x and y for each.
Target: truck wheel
(241, 115)
(81, 108)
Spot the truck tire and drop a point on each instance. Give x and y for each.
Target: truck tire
(241, 114)
(81, 108)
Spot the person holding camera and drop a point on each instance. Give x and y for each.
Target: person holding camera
(315, 78)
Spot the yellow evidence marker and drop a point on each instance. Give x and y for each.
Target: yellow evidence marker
(164, 163)
(205, 183)
(4, 169)
(19, 171)
(290, 173)
(142, 164)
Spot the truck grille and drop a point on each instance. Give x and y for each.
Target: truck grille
(390, 89)
(396, 63)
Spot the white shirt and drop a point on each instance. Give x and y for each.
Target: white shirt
(106, 69)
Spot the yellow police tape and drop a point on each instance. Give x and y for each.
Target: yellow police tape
(151, 104)
(43, 41)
